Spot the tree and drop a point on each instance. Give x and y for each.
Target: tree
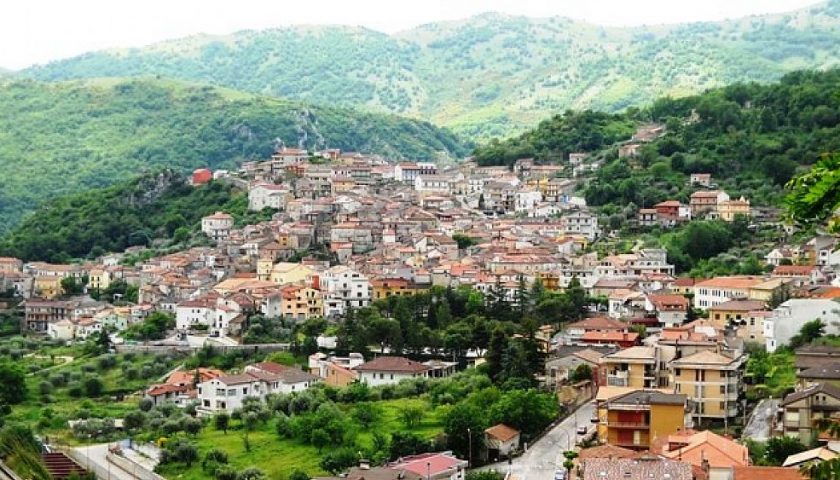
(529, 411)
(13, 381)
(779, 448)
(412, 415)
(192, 426)
(319, 438)
(71, 286)
(577, 299)
(464, 426)
(298, 474)
(814, 196)
(93, 387)
(134, 420)
(367, 413)
(463, 241)
(404, 444)
(809, 332)
(495, 352)
(582, 372)
(338, 460)
(186, 453)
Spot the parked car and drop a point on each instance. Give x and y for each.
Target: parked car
(559, 475)
(581, 430)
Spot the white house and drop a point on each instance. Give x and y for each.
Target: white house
(789, 317)
(264, 195)
(434, 183)
(390, 370)
(527, 200)
(343, 288)
(227, 392)
(61, 330)
(191, 313)
(581, 223)
(408, 171)
(217, 226)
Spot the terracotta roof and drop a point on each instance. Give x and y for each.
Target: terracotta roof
(684, 282)
(607, 451)
(739, 305)
(502, 432)
(392, 364)
(429, 464)
(729, 282)
(610, 337)
(704, 357)
(669, 302)
(718, 450)
(643, 468)
(598, 323)
(804, 270)
(636, 353)
(764, 473)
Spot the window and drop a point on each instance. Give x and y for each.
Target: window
(723, 389)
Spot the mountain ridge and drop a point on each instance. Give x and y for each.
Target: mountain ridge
(58, 137)
(487, 75)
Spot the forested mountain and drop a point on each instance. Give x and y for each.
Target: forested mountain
(57, 138)
(751, 137)
(157, 205)
(489, 75)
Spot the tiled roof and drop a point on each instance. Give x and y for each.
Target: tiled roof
(826, 388)
(704, 357)
(598, 323)
(764, 473)
(828, 372)
(502, 432)
(718, 450)
(644, 468)
(607, 451)
(392, 364)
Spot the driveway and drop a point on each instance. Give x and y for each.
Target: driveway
(93, 459)
(759, 424)
(544, 457)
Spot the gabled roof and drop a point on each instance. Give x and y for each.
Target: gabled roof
(704, 357)
(825, 388)
(502, 432)
(598, 323)
(607, 451)
(826, 372)
(718, 450)
(392, 364)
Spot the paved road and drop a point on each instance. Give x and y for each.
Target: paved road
(546, 456)
(93, 458)
(758, 426)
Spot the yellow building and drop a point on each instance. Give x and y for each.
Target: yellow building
(729, 209)
(284, 273)
(47, 287)
(637, 419)
(99, 279)
(713, 382)
(764, 291)
(632, 367)
(388, 287)
(734, 310)
(264, 266)
(301, 303)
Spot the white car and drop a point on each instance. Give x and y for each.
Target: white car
(581, 430)
(559, 475)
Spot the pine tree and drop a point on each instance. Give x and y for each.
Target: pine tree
(523, 303)
(495, 352)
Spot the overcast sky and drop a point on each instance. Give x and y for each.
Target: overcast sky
(37, 31)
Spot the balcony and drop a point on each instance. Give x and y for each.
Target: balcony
(617, 379)
(631, 425)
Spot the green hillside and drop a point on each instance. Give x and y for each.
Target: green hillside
(63, 137)
(155, 206)
(489, 75)
(751, 137)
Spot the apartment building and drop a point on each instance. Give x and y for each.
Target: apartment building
(631, 367)
(713, 382)
(635, 419)
(801, 409)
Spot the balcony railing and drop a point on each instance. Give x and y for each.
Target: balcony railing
(633, 425)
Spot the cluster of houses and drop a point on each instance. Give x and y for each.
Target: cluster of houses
(705, 203)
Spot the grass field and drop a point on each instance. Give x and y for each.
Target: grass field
(279, 457)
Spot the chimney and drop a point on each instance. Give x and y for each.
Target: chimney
(704, 462)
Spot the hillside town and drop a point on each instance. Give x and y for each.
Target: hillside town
(665, 389)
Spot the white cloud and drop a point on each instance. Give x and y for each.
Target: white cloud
(37, 31)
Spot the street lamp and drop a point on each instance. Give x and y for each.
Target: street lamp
(469, 434)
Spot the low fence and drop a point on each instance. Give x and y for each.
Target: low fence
(130, 466)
